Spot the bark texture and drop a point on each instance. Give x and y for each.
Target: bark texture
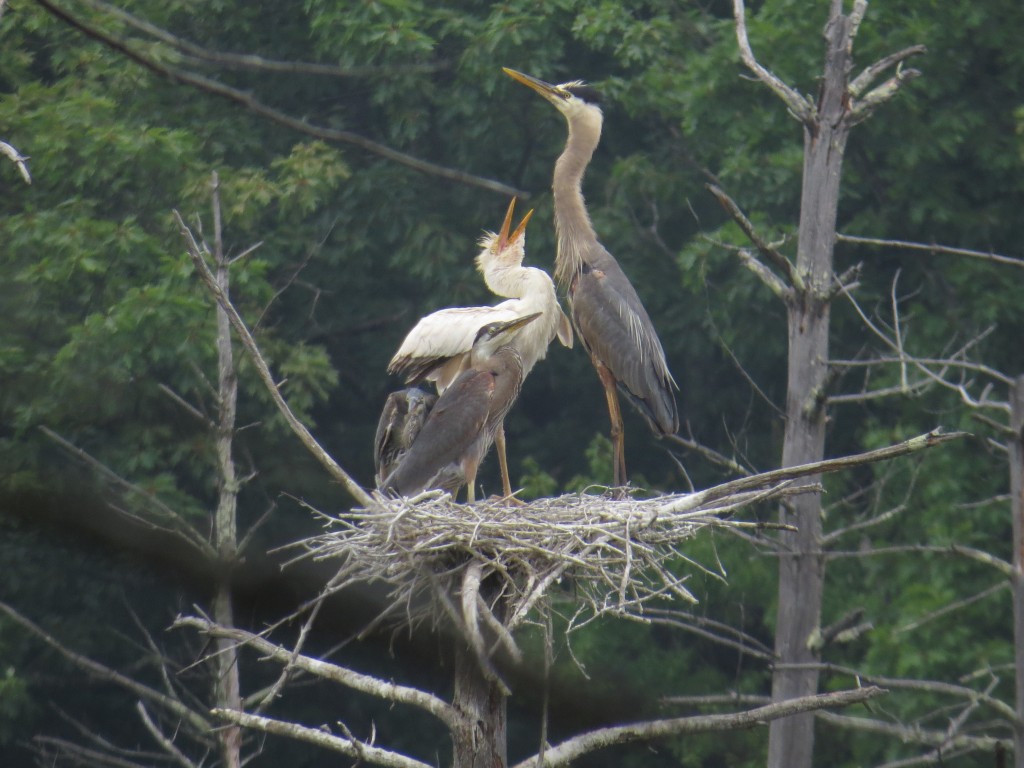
(802, 566)
(1017, 508)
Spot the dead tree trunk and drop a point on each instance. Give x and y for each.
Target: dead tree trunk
(802, 565)
(1017, 508)
(480, 739)
(807, 288)
(225, 527)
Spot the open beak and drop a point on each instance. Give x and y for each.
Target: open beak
(504, 238)
(552, 93)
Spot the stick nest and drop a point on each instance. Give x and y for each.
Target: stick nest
(619, 553)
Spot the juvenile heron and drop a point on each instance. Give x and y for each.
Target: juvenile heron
(465, 420)
(440, 346)
(609, 317)
(401, 420)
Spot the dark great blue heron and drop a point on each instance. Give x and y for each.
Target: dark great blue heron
(464, 421)
(440, 346)
(609, 317)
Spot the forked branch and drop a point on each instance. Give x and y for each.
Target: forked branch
(335, 470)
(800, 106)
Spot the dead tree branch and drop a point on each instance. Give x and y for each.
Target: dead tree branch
(105, 673)
(18, 159)
(248, 101)
(252, 62)
(770, 252)
(932, 248)
(307, 439)
(576, 747)
(322, 737)
(799, 106)
(332, 672)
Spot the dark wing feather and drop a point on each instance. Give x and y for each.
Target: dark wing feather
(400, 422)
(615, 328)
(455, 422)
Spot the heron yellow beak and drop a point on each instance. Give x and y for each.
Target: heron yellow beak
(504, 238)
(519, 322)
(552, 93)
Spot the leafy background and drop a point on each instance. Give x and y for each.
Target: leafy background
(101, 308)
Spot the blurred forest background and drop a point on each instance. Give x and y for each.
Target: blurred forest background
(103, 318)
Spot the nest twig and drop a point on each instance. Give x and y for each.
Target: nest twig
(620, 553)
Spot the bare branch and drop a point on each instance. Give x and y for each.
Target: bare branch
(953, 549)
(913, 734)
(801, 107)
(346, 677)
(18, 159)
(181, 527)
(934, 249)
(252, 104)
(165, 743)
(710, 454)
(914, 444)
(950, 608)
(864, 107)
(251, 62)
(105, 673)
(771, 253)
(574, 748)
(189, 408)
(263, 370)
(868, 76)
(321, 737)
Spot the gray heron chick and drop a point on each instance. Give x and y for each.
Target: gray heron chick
(400, 422)
(466, 419)
(440, 346)
(609, 317)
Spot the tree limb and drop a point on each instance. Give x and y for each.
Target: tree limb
(914, 444)
(574, 748)
(254, 105)
(18, 159)
(771, 253)
(364, 683)
(865, 78)
(322, 737)
(325, 459)
(970, 553)
(934, 249)
(161, 738)
(800, 106)
(105, 673)
(249, 61)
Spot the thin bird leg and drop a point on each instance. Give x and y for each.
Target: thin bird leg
(618, 431)
(469, 468)
(499, 446)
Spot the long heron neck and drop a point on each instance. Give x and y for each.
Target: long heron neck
(508, 280)
(572, 222)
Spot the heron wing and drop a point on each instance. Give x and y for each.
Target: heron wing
(455, 423)
(438, 346)
(615, 328)
(400, 422)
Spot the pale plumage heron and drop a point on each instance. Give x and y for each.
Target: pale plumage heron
(609, 317)
(440, 346)
(465, 419)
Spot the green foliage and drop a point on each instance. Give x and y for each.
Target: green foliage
(101, 306)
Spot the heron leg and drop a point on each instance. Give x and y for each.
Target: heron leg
(499, 446)
(618, 431)
(469, 468)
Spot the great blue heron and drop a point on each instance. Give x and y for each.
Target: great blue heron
(463, 423)
(440, 346)
(400, 422)
(609, 317)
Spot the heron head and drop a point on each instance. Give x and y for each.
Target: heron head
(505, 247)
(494, 335)
(572, 99)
